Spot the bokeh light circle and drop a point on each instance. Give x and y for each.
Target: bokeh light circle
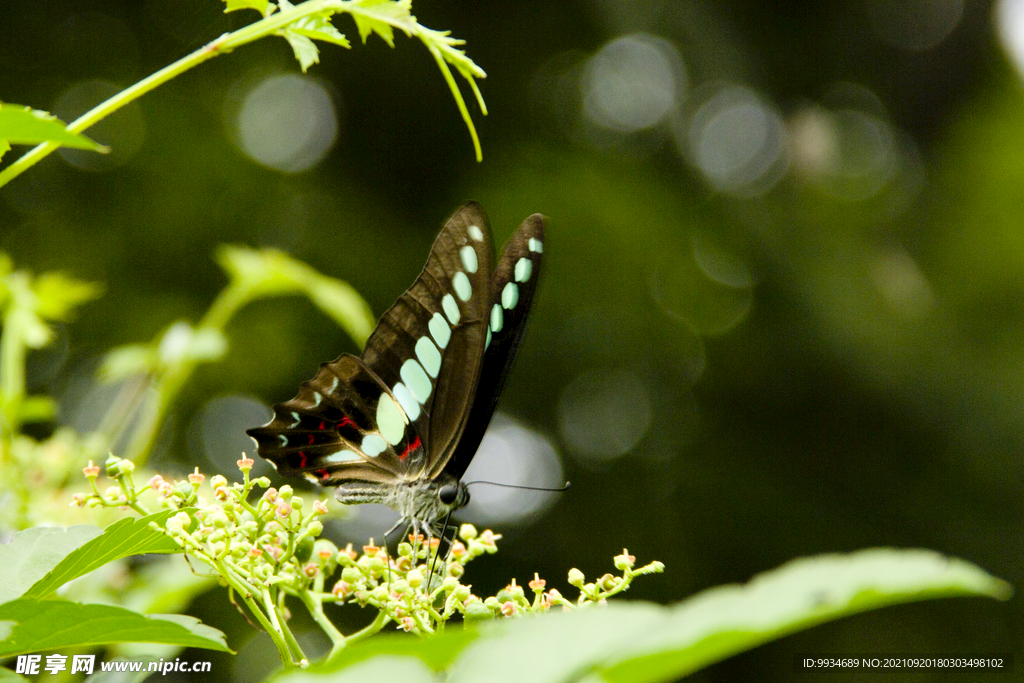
(632, 83)
(288, 123)
(738, 142)
(604, 413)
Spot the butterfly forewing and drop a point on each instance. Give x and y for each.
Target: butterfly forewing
(398, 412)
(513, 286)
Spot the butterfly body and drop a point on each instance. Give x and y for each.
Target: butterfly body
(399, 424)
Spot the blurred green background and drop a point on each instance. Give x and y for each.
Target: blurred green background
(782, 308)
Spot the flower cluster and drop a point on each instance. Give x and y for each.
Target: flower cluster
(267, 550)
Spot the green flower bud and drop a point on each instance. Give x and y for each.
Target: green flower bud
(126, 467)
(477, 611)
(461, 593)
(285, 492)
(415, 578)
(450, 584)
(218, 480)
(456, 570)
(217, 519)
(113, 470)
(467, 532)
(576, 578)
(624, 561)
(296, 503)
(351, 575)
(304, 549)
(315, 527)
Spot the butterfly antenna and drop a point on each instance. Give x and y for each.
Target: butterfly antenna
(561, 489)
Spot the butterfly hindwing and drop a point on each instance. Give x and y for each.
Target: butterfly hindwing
(513, 286)
(344, 424)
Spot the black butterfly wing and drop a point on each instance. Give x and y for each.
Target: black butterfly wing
(399, 410)
(429, 347)
(344, 424)
(513, 286)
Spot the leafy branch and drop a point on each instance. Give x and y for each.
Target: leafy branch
(267, 550)
(300, 25)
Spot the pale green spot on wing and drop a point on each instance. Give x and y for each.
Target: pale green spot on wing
(373, 445)
(468, 257)
(342, 456)
(497, 318)
(451, 309)
(406, 400)
(510, 295)
(439, 330)
(416, 379)
(524, 268)
(536, 245)
(475, 233)
(461, 285)
(429, 356)
(390, 420)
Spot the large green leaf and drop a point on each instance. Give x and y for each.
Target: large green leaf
(638, 643)
(46, 625)
(34, 552)
(8, 676)
(125, 537)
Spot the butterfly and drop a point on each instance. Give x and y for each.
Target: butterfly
(400, 424)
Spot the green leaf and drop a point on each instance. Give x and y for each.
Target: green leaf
(372, 16)
(22, 125)
(34, 552)
(437, 652)
(304, 48)
(125, 537)
(58, 294)
(8, 676)
(383, 668)
(803, 593)
(258, 5)
(5, 147)
(58, 624)
(319, 27)
(644, 643)
(269, 272)
(340, 301)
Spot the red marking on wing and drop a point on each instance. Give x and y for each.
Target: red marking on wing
(311, 439)
(324, 474)
(302, 459)
(346, 421)
(409, 449)
(322, 425)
